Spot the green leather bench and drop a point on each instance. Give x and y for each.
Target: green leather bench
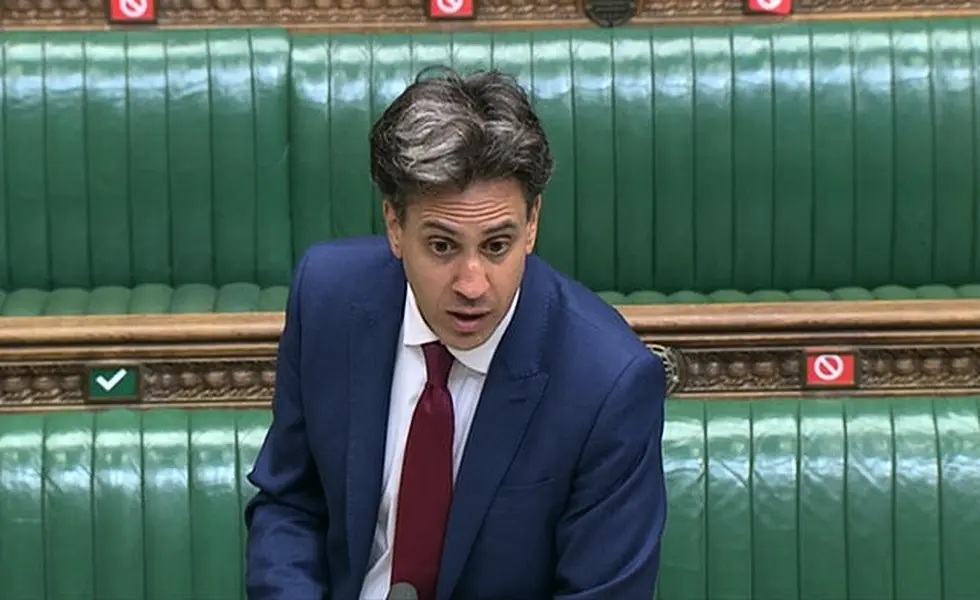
(781, 499)
(145, 172)
(185, 171)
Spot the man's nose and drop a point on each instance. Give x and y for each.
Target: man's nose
(471, 280)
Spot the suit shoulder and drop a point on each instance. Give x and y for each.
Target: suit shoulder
(332, 276)
(601, 341)
(345, 256)
(343, 265)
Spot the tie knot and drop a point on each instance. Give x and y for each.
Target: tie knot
(438, 362)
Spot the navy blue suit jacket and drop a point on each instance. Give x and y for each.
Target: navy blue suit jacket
(560, 493)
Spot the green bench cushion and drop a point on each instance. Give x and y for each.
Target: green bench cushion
(775, 499)
(143, 299)
(818, 156)
(843, 499)
(786, 156)
(144, 157)
(125, 505)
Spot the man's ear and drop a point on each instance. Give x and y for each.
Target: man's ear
(532, 224)
(393, 227)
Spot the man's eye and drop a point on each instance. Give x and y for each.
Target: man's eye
(498, 247)
(440, 246)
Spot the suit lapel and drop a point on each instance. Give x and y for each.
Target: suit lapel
(373, 343)
(501, 419)
(513, 389)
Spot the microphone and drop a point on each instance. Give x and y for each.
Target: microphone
(403, 591)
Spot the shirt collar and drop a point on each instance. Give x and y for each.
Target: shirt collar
(416, 332)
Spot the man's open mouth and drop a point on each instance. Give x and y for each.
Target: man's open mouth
(468, 315)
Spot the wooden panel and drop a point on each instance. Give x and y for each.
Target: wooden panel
(710, 350)
(408, 15)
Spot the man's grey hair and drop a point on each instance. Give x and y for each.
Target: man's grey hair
(447, 131)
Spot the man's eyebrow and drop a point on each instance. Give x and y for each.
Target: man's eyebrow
(504, 227)
(499, 228)
(430, 224)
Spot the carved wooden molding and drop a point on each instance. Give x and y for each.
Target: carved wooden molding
(214, 381)
(407, 15)
(710, 350)
(881, 371)
(693, 373)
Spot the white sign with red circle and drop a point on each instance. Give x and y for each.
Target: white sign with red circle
(451, 9)
(771, 7)
(132, 11)
(830, 369)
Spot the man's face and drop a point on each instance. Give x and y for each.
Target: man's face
(464, 256)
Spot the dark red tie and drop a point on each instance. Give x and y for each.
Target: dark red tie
(427, 480)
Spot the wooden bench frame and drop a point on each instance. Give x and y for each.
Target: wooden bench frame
(712, 350)
(358, 17)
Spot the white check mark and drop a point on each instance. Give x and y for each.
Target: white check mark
(108, 384)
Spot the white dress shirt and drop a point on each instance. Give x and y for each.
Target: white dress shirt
(465, 384)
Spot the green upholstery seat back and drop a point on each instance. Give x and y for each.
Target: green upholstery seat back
(777, 499)
(843, 499)
(793, 156)
(151, 157)
(141, 505)
(187, 170)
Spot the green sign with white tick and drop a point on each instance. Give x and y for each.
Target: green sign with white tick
(117, 382)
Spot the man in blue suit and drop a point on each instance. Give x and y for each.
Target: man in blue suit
(451, 414)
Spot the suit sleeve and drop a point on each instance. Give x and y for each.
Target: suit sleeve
(287, 518)
(608, 538)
